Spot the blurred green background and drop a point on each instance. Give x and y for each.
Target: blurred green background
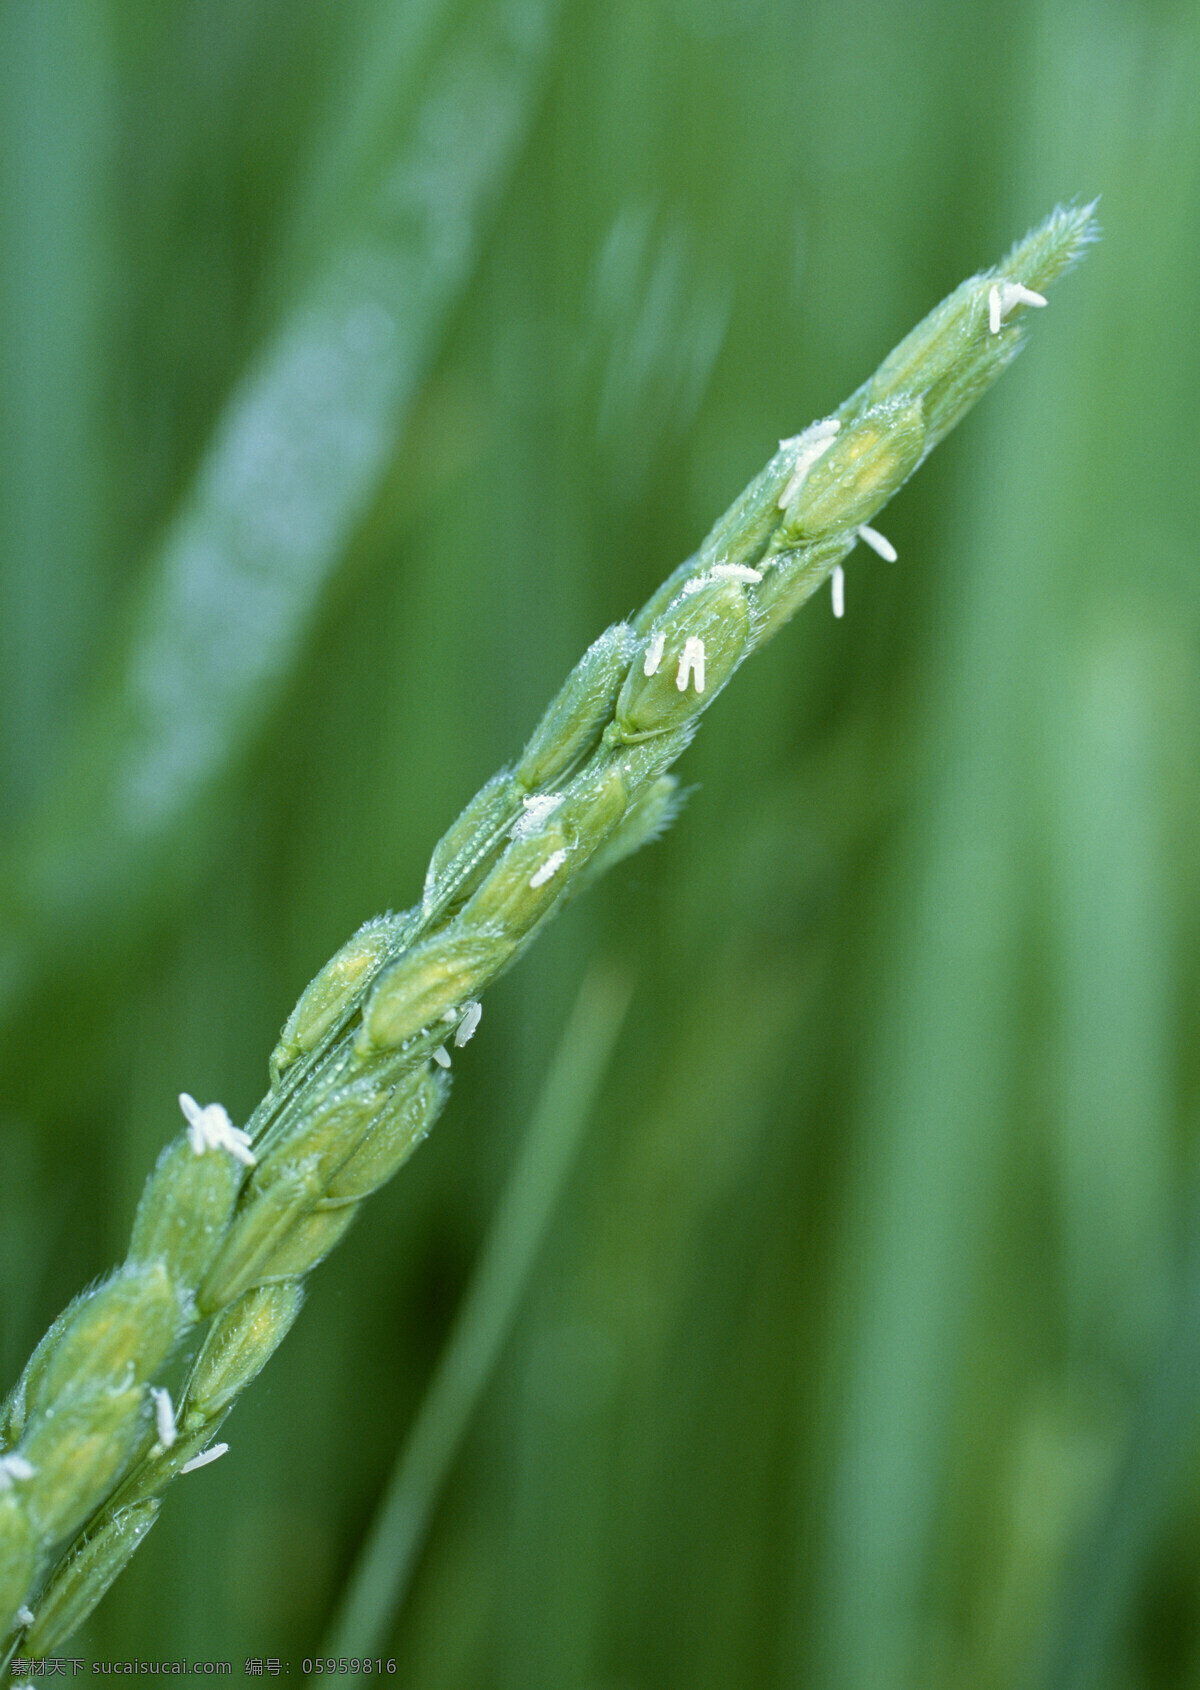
(362, 360)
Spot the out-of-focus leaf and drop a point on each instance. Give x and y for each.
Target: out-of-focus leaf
(240, 574)
(380, 1576)
(57, 263)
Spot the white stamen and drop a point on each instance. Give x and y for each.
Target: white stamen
(877, 542)
(14, 1467)
(1002, 298)
(213, 1453)
(826, 427)
(735, 572)
(1016, 293)
(537, 808)
(211, 1129)
(691, 662)
(720, 572)
(837, 587)
(442, 1057)
(812, 446)
(24, 1616)
(164, 1416)
(548, 870)
(466, 1027)
(654, 654)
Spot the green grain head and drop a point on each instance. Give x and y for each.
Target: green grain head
(232, 1219)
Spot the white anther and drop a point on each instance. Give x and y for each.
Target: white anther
(720, 572)
(735, 572)
(24, 1616)
(811, 446)
(442, 1057)
(1015, 293)
(837, 588)
(654, 654)
(450, 1015)
(1004, 296)
(826, 428)
(877, 542)
(691, 663)
(537, 808)
(14, 1467)
(466, 1027)
(548, 870)
(164, 1416)
(211, 1129)
(214, 1452)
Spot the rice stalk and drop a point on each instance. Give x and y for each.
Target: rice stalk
(232, 1219)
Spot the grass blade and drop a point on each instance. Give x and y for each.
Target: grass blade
(377, 1583)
